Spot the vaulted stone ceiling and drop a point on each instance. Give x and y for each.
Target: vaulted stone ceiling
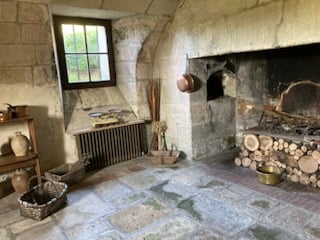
(113, 9)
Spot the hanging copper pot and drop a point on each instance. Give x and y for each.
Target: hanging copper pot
(185, 83)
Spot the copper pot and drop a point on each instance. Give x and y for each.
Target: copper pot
(18, 110)
(185, 83)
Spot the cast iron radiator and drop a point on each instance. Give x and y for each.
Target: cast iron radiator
(106, 146)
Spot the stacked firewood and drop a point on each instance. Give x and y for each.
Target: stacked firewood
(298, 161)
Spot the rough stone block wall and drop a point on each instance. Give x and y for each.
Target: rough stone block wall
(199, 29)
(27, 68)
(207, 28)
(25, 43)
(135, 42)
(27, 75)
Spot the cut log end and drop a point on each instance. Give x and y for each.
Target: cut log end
(266, 142)
(237, 161)
(246, 161)
(308, 164)
(251, 142)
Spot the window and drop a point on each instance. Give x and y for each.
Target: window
(85, 52)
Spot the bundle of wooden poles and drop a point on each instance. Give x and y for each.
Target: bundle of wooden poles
(154, 97)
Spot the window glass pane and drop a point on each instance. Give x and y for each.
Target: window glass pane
(96, 39)
(80, 40)
(77, 68)
(99, 67)
(68, 38)
(73, 38)
(84, 51)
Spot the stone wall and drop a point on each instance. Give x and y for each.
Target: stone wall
(199, 29)
(207, 28)
(135, 42)
(27, 75)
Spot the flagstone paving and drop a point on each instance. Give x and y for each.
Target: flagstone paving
(190, 200)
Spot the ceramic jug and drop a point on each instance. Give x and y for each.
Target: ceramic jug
(19, 144)
(20, 180)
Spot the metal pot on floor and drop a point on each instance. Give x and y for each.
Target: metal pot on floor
(269, 175)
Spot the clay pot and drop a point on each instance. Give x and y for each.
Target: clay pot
(20, 180)
(185, 83)
(19, 144)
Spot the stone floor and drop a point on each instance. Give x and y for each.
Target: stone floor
(209, 199)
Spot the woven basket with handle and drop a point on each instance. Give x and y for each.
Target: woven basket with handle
(43, 199)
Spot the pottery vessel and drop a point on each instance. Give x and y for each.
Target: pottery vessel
(19, 144)
(20, 180)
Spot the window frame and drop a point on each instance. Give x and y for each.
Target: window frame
(57, 25)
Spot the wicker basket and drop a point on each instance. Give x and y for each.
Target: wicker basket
(164, 157)
(44, 199)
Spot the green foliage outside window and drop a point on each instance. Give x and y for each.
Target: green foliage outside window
(75, 43)
(85, 52)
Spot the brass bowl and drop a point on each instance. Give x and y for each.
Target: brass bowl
(270, 175)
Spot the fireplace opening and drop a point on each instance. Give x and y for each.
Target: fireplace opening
(296, 115)
(301, 98)
(243, 90)
(292, 64)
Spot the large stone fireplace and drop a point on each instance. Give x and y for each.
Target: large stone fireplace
(233, 90)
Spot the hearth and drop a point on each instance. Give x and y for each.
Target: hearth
(295, 115)
(287, 136)
(243, 91)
